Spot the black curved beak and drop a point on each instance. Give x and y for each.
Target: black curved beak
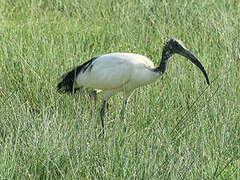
(189, 55)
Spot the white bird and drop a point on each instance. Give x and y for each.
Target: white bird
(122, 72)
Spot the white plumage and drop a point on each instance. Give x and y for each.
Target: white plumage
(116, 72)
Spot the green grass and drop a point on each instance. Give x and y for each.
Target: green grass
(177, 128)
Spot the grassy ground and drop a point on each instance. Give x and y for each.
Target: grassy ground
(177, 128)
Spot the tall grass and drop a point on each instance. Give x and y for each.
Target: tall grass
(177, 128)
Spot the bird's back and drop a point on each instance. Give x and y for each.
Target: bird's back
(130, 58)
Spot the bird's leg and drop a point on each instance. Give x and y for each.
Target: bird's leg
(102, 114)
(123, 114)
(93, 95)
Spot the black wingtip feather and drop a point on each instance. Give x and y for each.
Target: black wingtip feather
(68, 79)
(67, 83)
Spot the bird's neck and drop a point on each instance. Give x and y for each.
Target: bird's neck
(163, 64)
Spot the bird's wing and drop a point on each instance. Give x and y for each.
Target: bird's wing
(106, 73)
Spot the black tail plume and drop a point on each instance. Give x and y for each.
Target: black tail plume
(68, 79)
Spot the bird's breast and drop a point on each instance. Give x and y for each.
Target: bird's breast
(143, 77)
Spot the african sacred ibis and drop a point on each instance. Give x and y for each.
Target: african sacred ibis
(116, 72)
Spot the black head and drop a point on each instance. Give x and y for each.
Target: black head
(174, 46)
